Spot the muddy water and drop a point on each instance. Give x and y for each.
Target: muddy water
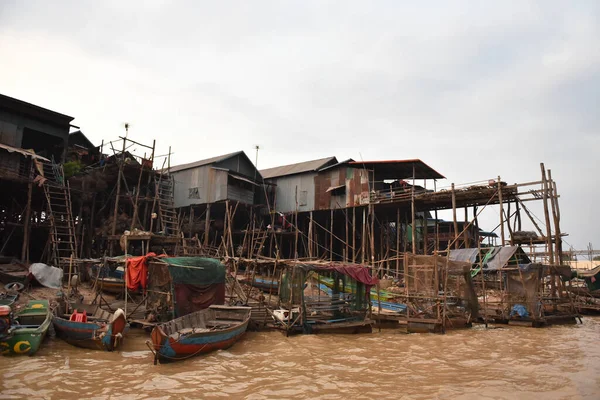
(503, 363)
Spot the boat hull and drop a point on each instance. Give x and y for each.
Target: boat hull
(27, 341)
(91, 335)
(109, 285)
(265, 285)
(193, 343)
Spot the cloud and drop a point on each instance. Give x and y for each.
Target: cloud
(476, 90)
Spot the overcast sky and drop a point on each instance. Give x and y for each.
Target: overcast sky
(476, 89)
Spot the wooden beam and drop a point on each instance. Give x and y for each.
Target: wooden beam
(547, 214)
(501, 211)
(456, 246)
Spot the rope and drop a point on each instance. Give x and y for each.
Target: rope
(173, 358)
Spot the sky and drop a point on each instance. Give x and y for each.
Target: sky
(476, 89)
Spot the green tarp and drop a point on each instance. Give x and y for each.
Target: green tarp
(195, 270)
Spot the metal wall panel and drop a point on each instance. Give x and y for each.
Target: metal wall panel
(285, 192)
(193, 186)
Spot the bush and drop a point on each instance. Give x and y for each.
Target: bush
(72, 168)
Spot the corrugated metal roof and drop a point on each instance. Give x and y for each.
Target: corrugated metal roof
(298, 168)
(204, 162)
(394, 169)
(468, 255)
(26, 153)
(31, 109)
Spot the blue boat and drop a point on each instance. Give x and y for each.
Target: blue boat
(264, 284)
(99, 331)
(215, 328)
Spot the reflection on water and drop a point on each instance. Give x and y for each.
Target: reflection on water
(504, 363)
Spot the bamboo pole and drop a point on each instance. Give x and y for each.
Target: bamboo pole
(310, 235)
(137, 197)
(331, 237)
(397, 241)
(501, 211)
(547, 216)
(372, 233)
(207, 225)
(126, 277)
(436, 245)
(353, 234)
(191, 222)
(116, 210)
(556, 218)
(413, 217)
(26, 222)
(346, 256)
(362, 238)
(456, 246)
(465, 234)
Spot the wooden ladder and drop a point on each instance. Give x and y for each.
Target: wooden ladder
(166, 208)
(258, 243)
(191, 246)
(63, 240)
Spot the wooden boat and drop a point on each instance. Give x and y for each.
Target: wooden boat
(217, 327)
(7, 299)
(110, 285)
(10, 273)
(27, 330)
(385, 295)
(99, 331)
(109, 282)
(264, 284)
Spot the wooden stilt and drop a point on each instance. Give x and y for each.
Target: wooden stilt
(346, 255)
(26, 221)
(501, 212)
(547, 215)
(412, 205)
(331, 237)
(398, 232)
(353, 234)
(456, 244)
(310, 235)
(363, 242)
(207, 225)
(372, 234)
(554, 207)
(465, 231)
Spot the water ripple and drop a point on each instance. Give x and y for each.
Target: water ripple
(505, 363)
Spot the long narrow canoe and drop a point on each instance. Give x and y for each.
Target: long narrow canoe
(99, 331)
(110, 285)
(264, 284)
(27, 330)
(385, 295)
(8, 299)
(215, 328)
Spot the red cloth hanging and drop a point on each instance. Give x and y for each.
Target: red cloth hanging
(137, 271)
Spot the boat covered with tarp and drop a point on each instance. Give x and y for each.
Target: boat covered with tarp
(178, 286)
(200, 324)
(343, 309)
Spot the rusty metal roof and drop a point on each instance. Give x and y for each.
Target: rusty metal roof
(398, 169)
(24, 152)
(298, 168)
(206, 161)
(10, 103)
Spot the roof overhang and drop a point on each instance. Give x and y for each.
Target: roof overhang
(334, 188)
(26, 153)
(400, 169)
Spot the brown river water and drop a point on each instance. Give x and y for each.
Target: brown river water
(561, 362)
